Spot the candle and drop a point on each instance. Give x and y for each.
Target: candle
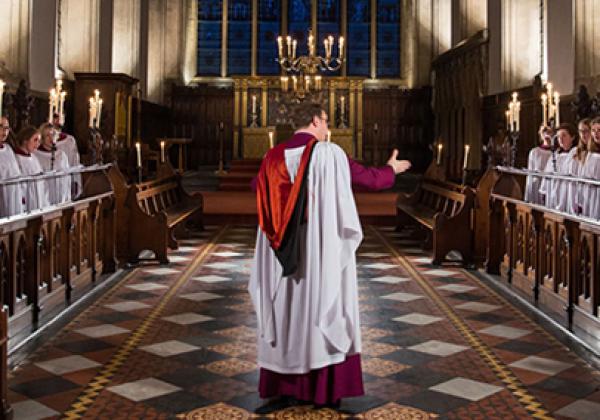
(295, 80)
(326, 45)
(341, 44)
(51, 104)
(465, 163)
(330, 44)
(518, 115)
(92, 113)
(439, 154)
(317, 82)
(511, 108)
(1, 95)
(98, 113)
(507, 113)
(289, 45)
(280, 46)
(162, 151)
(138, 148)
(342, 107)
(294, 45)
(544, 110)
(557, 108)
(328, 136)
(254, 104)
(61, 108)
(271, 140)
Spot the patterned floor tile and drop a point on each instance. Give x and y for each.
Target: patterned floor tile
(438, 348)
(146, 286)
(143, 389)
(187, 318)
(31, 410)
(379, 266)
(230, 367)
(466, 388)
(417, 319)
(505, 331)
(478, 307)
(211, 279)
(200, 296)
(162, 271)
(541, 365)
(390, 279)
(67, 364)
(402, 297)
(457, 288)
(381, 367)
(104, 330)
(127, 306)
(580, 410)
(169, 348)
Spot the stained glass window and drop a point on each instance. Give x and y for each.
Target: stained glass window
(299, 23)
(239, 37)
(269, 27)
(388, 38)
(359, 30)
(328, 23)
(209, 37)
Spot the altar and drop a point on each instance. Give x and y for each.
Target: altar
(264, 109)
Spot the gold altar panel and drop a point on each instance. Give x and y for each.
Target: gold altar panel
(344, 137)
(256, 141)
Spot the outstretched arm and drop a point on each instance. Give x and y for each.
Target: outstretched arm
(380, 178)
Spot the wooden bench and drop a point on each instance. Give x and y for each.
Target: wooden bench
(158, 209)
(445, 213)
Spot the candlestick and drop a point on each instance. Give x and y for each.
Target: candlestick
(307, 82)
(439, 154)
(138, 148)
(1, 95)
(51, 104)
(318, 82)
(162, 151)
(466, 161)
(328, 136)
(295, 80)
(271, 140)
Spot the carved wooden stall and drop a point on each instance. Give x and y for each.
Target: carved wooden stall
(50, 258)
(460, 82)
(550, 258)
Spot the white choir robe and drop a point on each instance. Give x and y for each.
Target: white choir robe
(310, 320)
(68, 144)
(589, 195)
(59, 188)
(37, 193)
(538, 158)
(12, 195)
(556, 191)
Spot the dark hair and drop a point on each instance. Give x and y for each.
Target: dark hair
(569, 128)
(25, 134)
(305, 112)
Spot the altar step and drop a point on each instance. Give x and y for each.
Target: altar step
(240, 174)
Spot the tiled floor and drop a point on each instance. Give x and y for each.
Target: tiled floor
(180, 341)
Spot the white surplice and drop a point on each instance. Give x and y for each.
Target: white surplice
(69, 145)
(556, 191)
(11, 195)
(310, 320)
(589, 195)
(59, 188)
(37, 193)
(538, 158)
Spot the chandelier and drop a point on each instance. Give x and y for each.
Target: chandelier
(304, 70)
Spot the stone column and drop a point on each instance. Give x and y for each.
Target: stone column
(42, 44)
(14, 36)
(559, 51)
(494, 22)
(126, 37)
(106, 36)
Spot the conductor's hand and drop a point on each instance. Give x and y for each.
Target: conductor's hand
(398, 166)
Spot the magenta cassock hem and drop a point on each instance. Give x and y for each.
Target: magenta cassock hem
(320, 386)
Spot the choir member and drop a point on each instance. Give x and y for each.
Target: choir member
(59, 188)
(590, 194)
(28, 140)
(11, 195)
(556, 190)
(66, 143)
(538, 158)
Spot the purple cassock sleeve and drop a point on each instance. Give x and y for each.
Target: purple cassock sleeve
(373, 179)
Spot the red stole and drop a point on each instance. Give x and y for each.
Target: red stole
(276, 196)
